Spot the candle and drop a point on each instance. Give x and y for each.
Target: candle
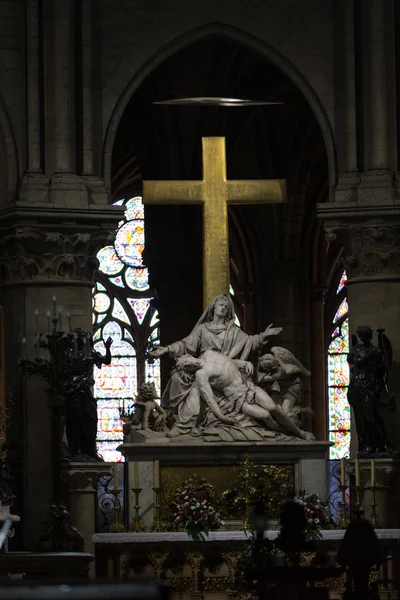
(136, 475)
(157, 474)
(60, 318)
(37, 318)
(75, 344)
(115, 470)
(357, 473)
(373, 479)
(69, 320)
(48, 321)
(23, 347)
(342, 472)
(54, 307)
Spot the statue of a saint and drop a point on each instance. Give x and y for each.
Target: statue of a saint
(216, 331)
(80, 403)
(369, 378)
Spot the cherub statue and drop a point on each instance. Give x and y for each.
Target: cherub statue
(280, 374)
(148, 413)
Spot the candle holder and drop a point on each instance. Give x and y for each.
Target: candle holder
(246, 477)
(344, 518)
(157, 523)
(117, 526)
(357, 489)
(137, 524)
(374, 516)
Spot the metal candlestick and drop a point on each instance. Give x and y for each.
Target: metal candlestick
(374, 516)
(246, 468)
(116, 527)
(357, 490)
(157, 524)
(344, 519)
(137, 523)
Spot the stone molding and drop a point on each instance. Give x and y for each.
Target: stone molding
(83, 477)
(53, 245)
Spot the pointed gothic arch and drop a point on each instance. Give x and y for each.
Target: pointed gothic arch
(244, 39)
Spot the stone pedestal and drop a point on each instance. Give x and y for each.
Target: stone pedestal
(308, 458)
(82, 479)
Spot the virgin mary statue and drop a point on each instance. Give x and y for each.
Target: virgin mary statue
(216, 331)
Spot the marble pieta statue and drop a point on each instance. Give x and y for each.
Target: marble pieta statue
(211, 392)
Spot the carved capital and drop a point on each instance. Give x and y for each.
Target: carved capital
(370, 251)
(57, 246)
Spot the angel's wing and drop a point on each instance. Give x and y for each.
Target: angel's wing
(386, 347)
(287, 357)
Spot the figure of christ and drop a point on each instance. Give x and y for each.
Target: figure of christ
(214, 371)
(217, 331)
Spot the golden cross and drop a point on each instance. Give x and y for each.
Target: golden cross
(214, 192)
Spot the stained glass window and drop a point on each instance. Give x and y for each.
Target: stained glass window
(122, 310)
(338, 377)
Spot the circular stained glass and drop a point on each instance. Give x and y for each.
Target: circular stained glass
(137, 279)
(129, 243)
(101, 303)
(109, 261)
(134, 209)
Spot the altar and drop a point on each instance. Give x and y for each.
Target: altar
(209, 568)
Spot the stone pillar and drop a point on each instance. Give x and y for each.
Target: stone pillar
(82, 479)
(90, 174)
(40, 255)
(66, 187)
(371, 240)
(380, 85)
(34, 184)
(345, 104)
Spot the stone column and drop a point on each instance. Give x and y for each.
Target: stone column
(82, 479)
(90, 175)
(371, 240)
(380, 85)
(34, 184)
(41, 255)
(66, 187)
(379, 105)
(345, 103)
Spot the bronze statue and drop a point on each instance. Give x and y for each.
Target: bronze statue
(369, 379)
(80, 403)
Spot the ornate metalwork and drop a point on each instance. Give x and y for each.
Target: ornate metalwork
(334, 491)
(106, 503)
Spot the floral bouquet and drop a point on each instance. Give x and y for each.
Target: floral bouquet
(316, 512)
(192, 510)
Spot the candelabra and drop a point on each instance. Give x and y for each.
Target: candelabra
(58, 533)
(137, 524)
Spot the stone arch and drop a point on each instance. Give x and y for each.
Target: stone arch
(245, 39)
(8, 158)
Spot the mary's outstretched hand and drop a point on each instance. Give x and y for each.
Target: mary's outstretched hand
(271, 330)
